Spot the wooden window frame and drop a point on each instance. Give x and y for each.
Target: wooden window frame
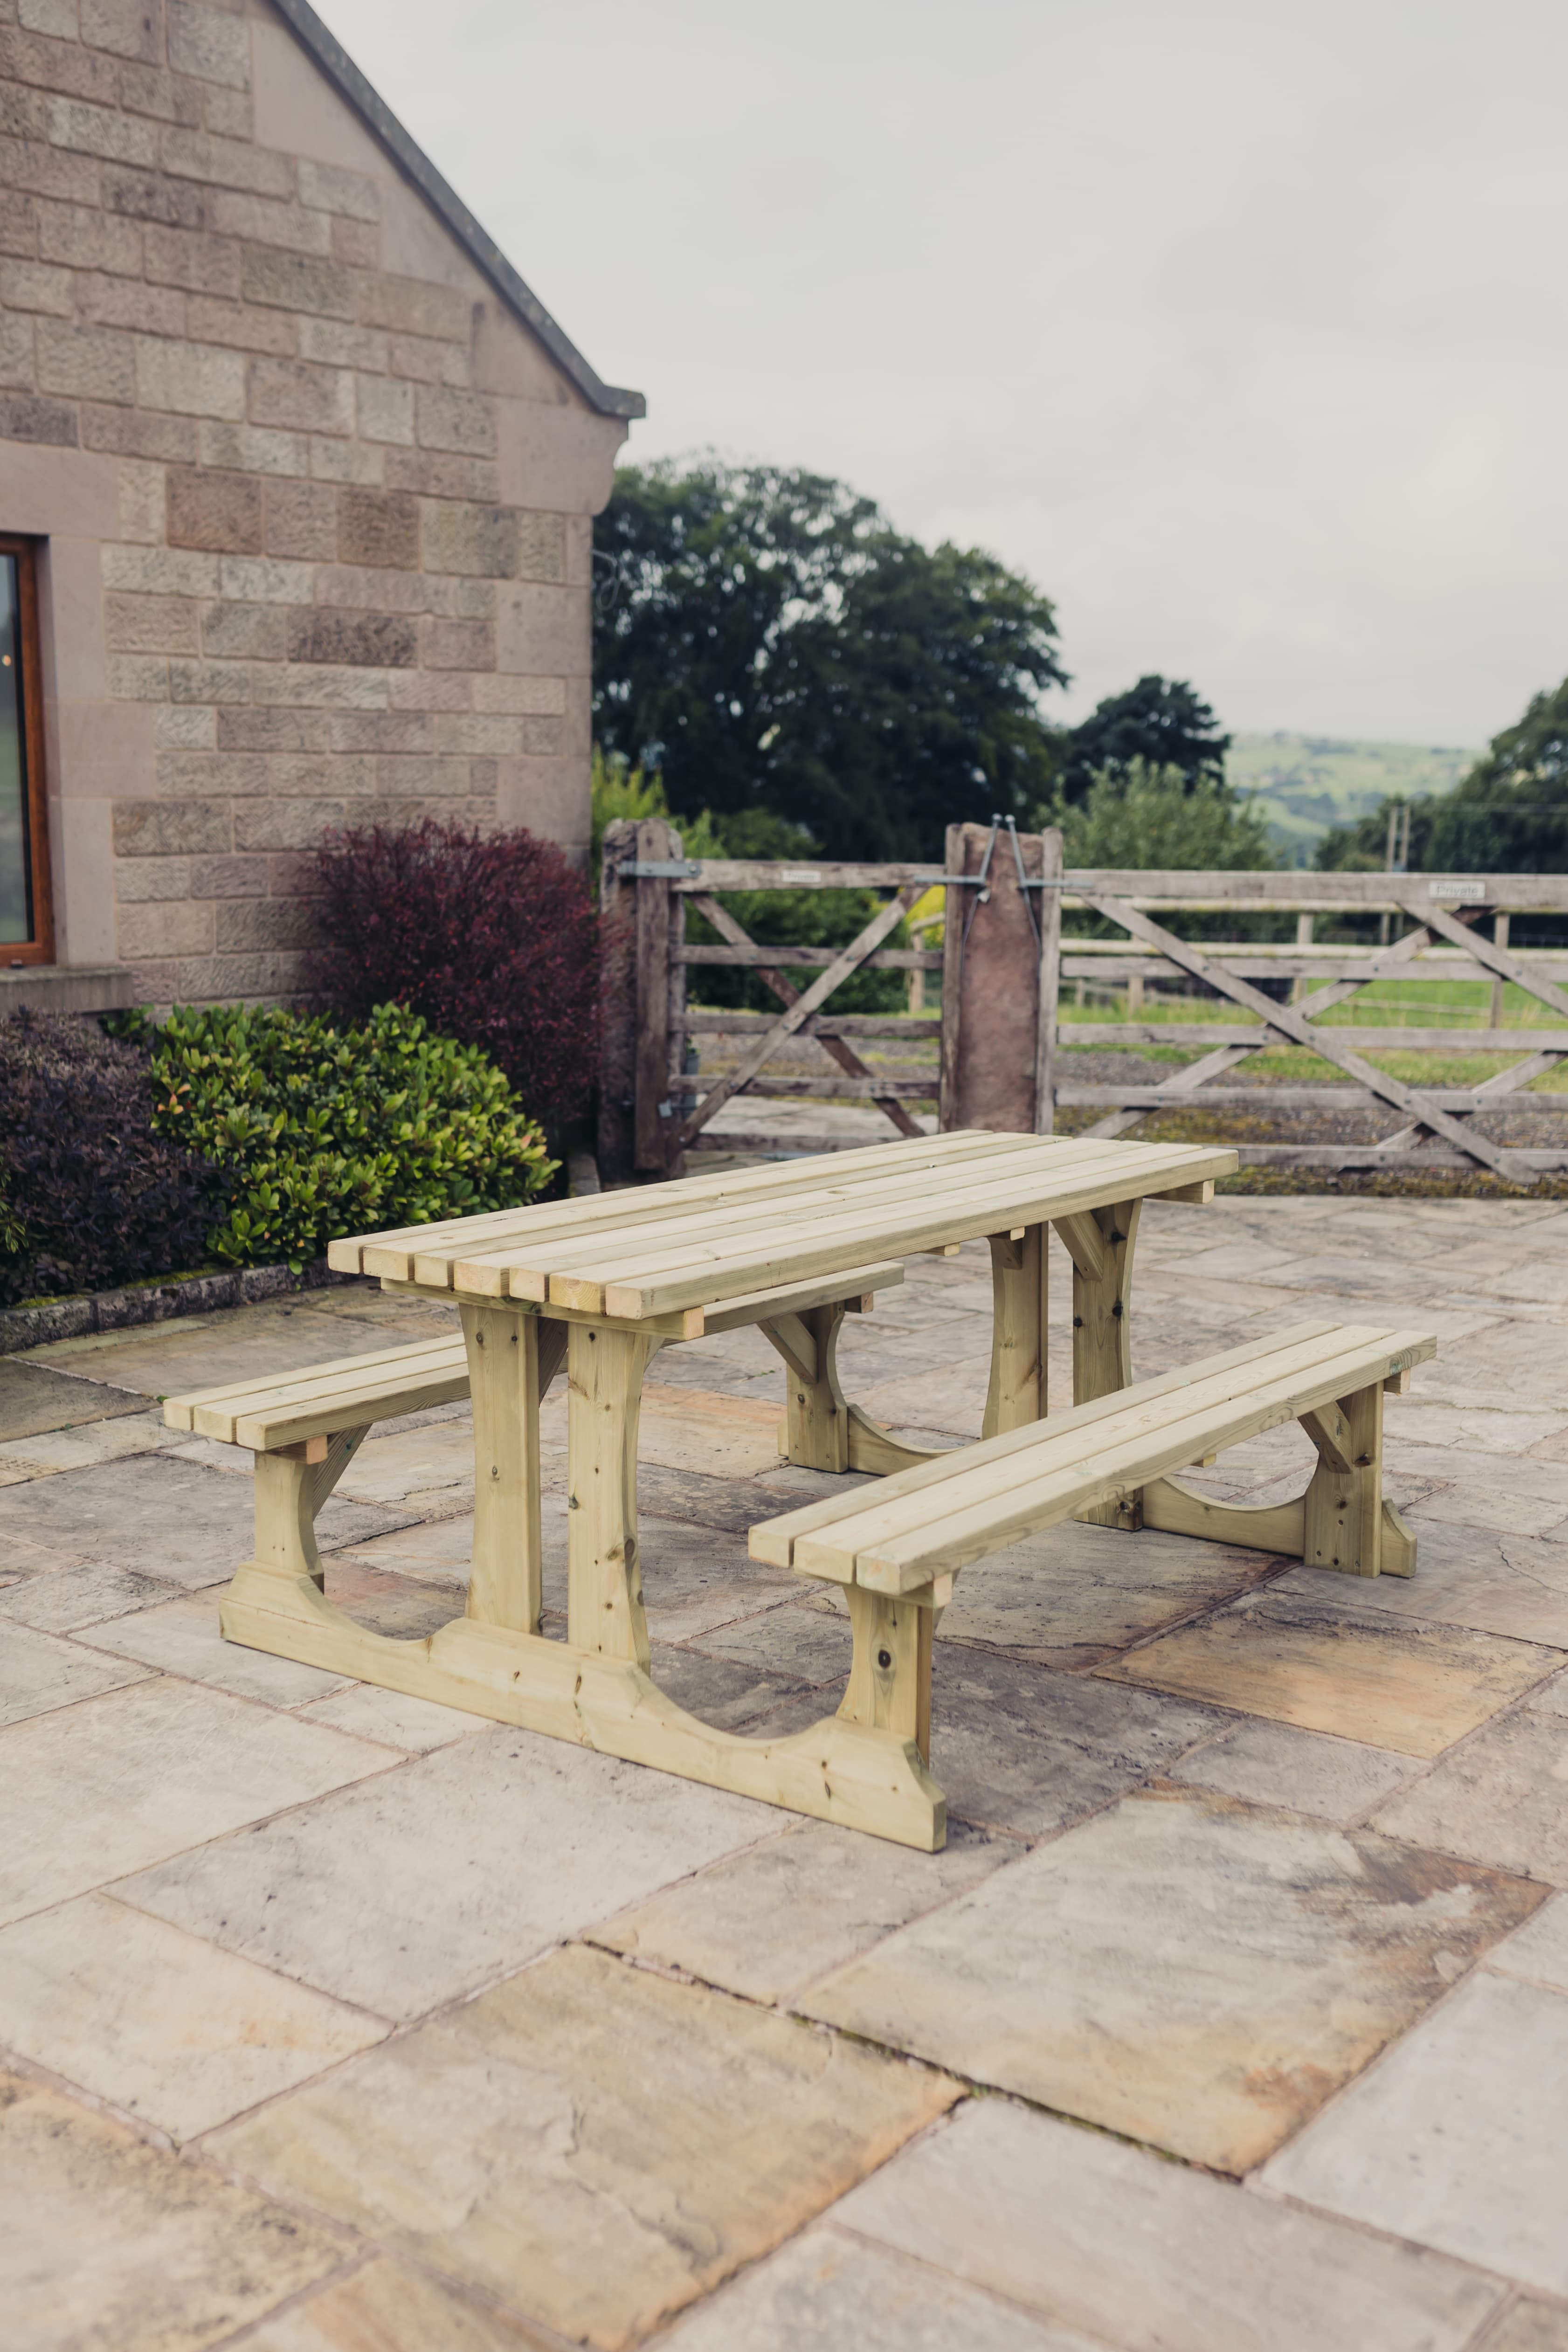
(40, 948)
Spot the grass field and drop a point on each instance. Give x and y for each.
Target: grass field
(1306, 783)
(1382, 1004)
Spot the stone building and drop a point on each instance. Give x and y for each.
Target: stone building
(296, 488)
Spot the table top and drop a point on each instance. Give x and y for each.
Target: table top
(655, 1250)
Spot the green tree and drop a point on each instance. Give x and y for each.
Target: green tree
(1159, 723)
(1509, 816)
(1149, 816)
(770, 643)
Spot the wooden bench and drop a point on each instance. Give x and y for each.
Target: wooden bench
(896, 1546)
(305, 1427)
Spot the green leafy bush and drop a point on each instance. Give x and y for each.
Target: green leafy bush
(326, 1131)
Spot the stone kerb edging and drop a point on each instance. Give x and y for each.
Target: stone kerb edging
(155, 1302)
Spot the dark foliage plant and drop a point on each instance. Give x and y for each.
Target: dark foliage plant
(324, 1131)
(90, 1194)
(1161, 724)
(492, 938)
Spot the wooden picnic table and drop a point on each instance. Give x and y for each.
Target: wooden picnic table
(600, 1285)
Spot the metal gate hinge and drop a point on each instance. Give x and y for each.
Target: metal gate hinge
(659, 870)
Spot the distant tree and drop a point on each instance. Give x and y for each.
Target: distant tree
(1153, 816)
(1509, 816)
(770, 643)
(1161, 722)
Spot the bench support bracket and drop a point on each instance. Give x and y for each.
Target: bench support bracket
(291, 1488)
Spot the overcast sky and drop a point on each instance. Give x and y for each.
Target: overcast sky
(1236, 324)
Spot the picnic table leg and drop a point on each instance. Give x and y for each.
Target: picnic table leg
(604, 1372)
(512, 1358)
(1101, 1244)
(1018, 1332)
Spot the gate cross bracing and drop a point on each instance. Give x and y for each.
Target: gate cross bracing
(994, 1052)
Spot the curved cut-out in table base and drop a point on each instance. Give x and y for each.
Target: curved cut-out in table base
(842, 1770)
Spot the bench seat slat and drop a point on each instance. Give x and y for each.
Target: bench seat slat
(772, 1540)
(1202, 1401)
(178, 1410)
(906, 1563)
(332, 1388)
(927, 1522)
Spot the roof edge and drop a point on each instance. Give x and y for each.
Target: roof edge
(336, 62)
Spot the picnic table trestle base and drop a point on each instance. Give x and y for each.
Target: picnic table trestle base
(862, 1767)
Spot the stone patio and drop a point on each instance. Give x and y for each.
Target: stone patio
(1234, 2017)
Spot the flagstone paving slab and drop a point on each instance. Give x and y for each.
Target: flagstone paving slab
(1301, 1771)
(1540, 1948)
(408, 1607)
(1456, 2140)
(595, 2144)
(162, 2024)
(812, 1644)
(242, 1343)
(426, 1462)
(1185, 1969)
(39, 1672)
(827, 2290)
(92, 1441)
(1531, 2327)
(34, 1397)
(1509, 1584)
(1078, 1595)
(388, 2306)
(174, 1519)
(115, 1783)
(1327, 1665)
(1150, 2257)
(1503, 1798)
(110, 2245)
(767, 1922)
(692, 1429)
(1551, 1698)
(183, 1637)
(369, 1712)
(63, 1600)
(448, 1869)
(1019, 1749)
(725, 1692)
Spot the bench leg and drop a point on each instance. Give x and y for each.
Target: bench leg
(1018, 1332)
(512, 1358)
(1101, 1244)
(603, 1379)
(817, 1418)
(889, 1677)
(291, 1488)
(820, 1431)
(1344, 1516)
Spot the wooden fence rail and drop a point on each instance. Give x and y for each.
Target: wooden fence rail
(993, 1056)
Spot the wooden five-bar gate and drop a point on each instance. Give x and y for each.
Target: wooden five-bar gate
(992, 1055)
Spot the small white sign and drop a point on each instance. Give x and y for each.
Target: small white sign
(1468, 891)
(807, 875)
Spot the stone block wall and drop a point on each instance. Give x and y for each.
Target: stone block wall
(313, 503)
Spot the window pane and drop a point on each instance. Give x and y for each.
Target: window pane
(16, 876)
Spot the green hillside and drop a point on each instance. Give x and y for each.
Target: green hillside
(1305, 783)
